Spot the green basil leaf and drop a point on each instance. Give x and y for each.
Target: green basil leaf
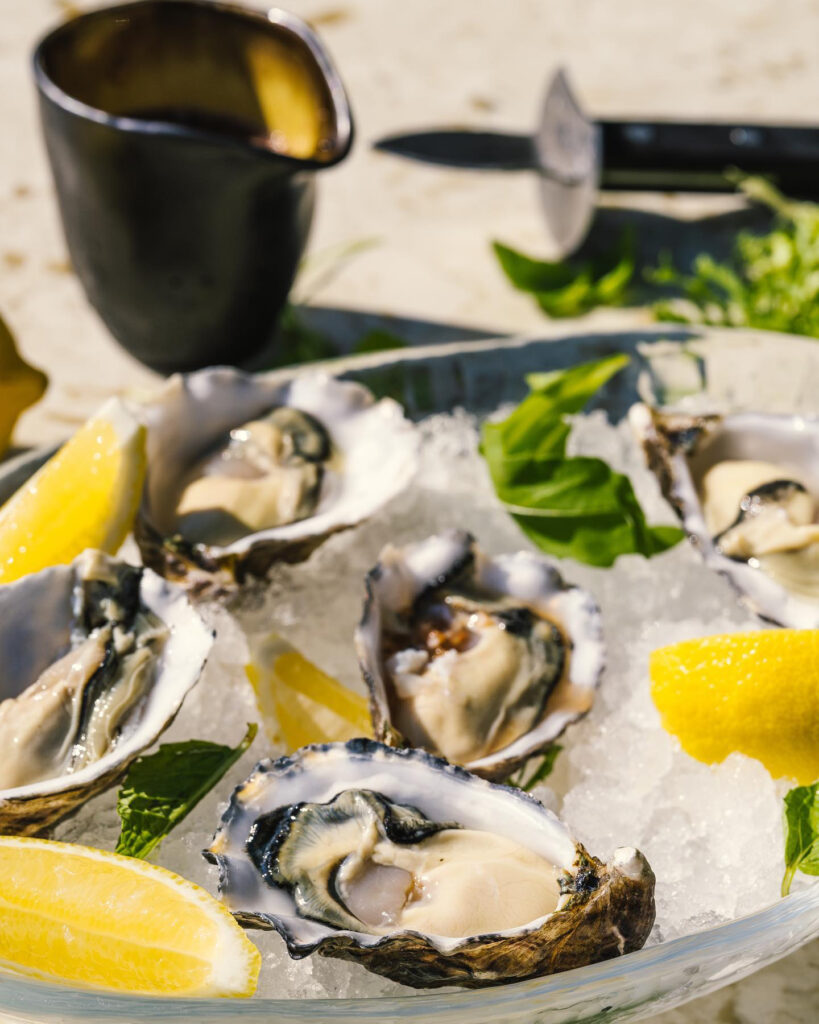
(802, 840)
(570, 507)
(572, 299)
(530, 275)
(536, 428)
(162, 788)
(565, 288)
(610, 288)
(569, 390)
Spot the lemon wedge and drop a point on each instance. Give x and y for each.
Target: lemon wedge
(299, 703)
(95, 919)
(20, 385)
(85, 496)
(756, 693)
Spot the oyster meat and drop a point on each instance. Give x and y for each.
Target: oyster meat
(244, 471)
(482, 660)
(745, 487)
(420, 871)
(268, 473)
(95, 660)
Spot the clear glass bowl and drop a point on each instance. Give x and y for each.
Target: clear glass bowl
(779, 373)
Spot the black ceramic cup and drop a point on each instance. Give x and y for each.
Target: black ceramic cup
(183, 138)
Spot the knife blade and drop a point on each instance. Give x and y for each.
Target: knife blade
(573, 156)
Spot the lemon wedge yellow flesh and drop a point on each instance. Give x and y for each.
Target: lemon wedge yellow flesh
(20, 385)
(299, 703)
(93, 918)
(756, 693)
(85, 496)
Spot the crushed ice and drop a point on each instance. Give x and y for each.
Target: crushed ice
(713, 835)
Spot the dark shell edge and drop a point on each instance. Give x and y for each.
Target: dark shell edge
(620, 910)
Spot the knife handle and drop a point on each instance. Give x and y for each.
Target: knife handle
(681, 156)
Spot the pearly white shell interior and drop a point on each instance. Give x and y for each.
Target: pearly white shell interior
(35, 627)
(194, 412)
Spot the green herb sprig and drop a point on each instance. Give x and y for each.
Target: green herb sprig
(573, 507)
(161, 789)
(770, 282)
(802, 840)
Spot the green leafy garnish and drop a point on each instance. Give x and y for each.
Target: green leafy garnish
(802, 842)
(568, 288)
(543, 770)
(574, 507)
(771, 281)
(163, 788)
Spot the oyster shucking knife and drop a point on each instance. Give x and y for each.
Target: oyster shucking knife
(574, 157)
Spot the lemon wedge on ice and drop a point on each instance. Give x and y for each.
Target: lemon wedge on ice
(92, 918)
(756, 693)
(20, 385)
(299, 703)
(85, 496)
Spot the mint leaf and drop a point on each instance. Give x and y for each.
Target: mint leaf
(570, 507)
(161, 789)
(802, 841)
(567, 288)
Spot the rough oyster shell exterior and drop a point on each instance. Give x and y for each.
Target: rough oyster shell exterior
(36, 619)
(605, 910)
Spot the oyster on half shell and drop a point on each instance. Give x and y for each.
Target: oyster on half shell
(420, 871)
(481, 660)
(95, 661)
(244, 471)
(746, 487)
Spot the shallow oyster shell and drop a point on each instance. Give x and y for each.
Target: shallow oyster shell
(402, 574)
(194, 412)
(36, 619)
(605, 910)
(680, 447)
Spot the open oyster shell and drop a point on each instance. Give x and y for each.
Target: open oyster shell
(601, 911)
(39, 623)
(745, 486)
(518, 658)
(371, 457)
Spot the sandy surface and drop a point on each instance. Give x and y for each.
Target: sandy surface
(407, 65)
